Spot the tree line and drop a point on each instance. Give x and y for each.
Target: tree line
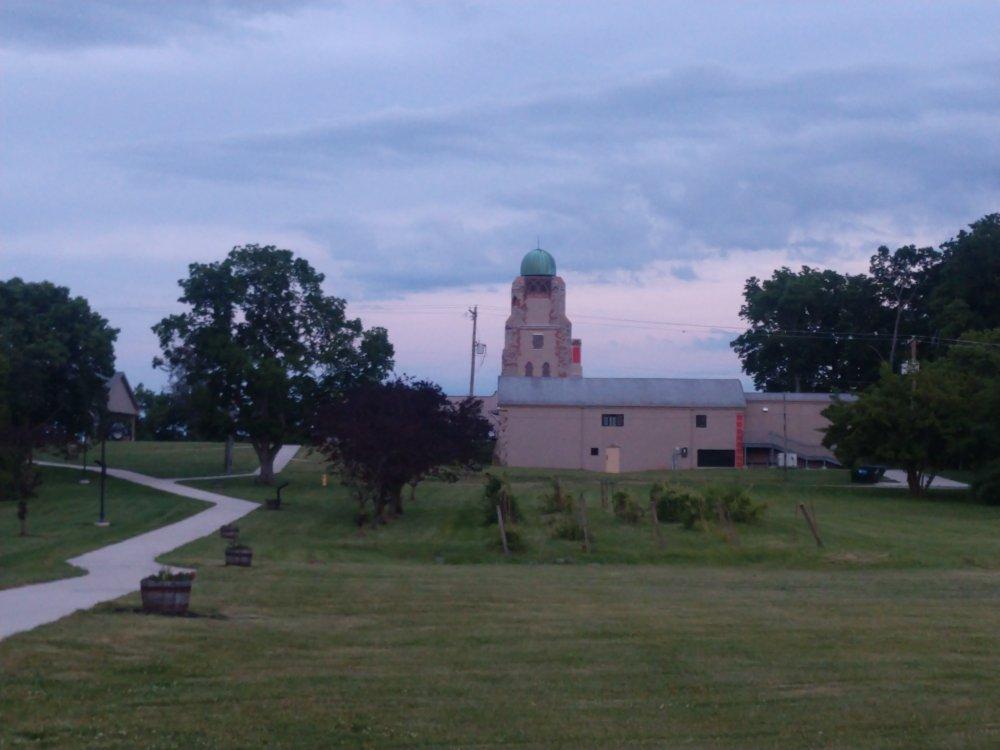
(260, 353)
(821, 330)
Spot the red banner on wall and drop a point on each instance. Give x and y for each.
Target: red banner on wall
(739, 441)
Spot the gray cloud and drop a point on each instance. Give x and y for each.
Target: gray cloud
(95, 23)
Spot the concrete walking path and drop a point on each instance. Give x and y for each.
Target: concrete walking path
(281, 459)
(116, 570)
(897, 478)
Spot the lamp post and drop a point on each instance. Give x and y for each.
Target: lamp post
(86, 445)
(103, 463)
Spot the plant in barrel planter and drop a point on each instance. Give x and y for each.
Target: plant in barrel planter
(229, 531)
(166, 593)
(239, 554)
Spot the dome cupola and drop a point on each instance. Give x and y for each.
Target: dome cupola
(538, 262)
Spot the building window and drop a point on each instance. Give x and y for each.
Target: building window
(546, 370)
(529, 370)
(612, 420)
(716, 458)
(594, 452)
(537, 341)
(701, 420)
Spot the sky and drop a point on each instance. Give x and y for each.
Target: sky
(663, 152)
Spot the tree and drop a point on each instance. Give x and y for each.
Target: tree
(811, 330)
(56, 356)
(382, 436)
(914, 421)
(262, 345)
(972, 365)
(903, 280)
(163, 415)
(965, 296)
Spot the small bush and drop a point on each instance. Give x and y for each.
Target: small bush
(625, 507)
(674, 504)
(986, 485)
(694, 512)
(567, 527)
(555, 501)
(736, 500)
(497, 492)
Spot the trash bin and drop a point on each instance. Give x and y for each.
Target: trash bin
(867, 474)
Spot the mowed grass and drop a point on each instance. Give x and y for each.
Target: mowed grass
(422, 635)
(860, 526)
(399, 655)
(61, 523)
(168, 460)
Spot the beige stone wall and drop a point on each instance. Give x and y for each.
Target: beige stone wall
(538, 313)
(562, 437)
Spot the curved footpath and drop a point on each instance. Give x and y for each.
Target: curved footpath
(116, 570)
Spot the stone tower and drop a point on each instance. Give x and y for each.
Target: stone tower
(538, 338)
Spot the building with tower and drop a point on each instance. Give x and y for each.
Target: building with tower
(538, 337)
(547, 415)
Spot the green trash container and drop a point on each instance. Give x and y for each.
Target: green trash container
(867, 474)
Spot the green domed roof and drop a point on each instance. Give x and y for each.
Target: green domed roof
(538, 263)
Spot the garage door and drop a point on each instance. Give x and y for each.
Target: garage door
(712, 457)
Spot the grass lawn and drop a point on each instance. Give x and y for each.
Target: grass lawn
(421, 635)
(61, 524)
(170, 460)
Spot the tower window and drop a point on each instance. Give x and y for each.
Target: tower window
(546, 370)
(595, 452)
(529, 370)
(701, 420)
(537, 341)
(612, 420)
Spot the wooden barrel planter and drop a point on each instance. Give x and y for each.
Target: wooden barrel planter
(239, 554)
(167, 594)
(229, 531)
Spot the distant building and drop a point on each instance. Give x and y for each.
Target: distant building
(123, 409)
(548, 415)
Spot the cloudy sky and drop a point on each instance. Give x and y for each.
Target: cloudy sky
(663, 152)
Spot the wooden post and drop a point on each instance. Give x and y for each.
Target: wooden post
(604, 494)
(503, 532)
(812, 523)
(583, 523)
(657, 531)
(726, 521)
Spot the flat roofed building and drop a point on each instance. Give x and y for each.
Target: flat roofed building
(548, 416)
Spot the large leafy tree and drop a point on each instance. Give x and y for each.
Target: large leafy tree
(903, 279)
(811, 330)
(56, 355)
(261, 346)
(965, 296)
(916, 421)
(383, 436)
(973, 368)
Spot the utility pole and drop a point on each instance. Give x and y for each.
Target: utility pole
(474, 312)
(784, 428)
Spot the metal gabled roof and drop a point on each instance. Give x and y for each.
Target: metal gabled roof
(705, 392)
